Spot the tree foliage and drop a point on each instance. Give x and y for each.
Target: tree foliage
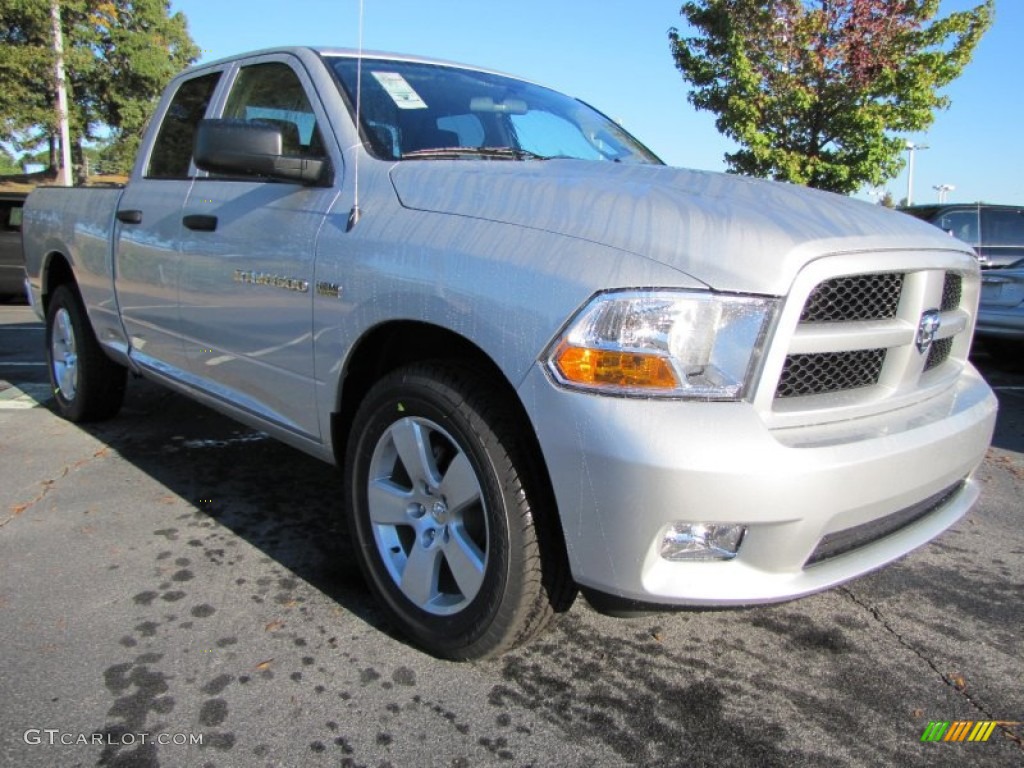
(815, 91)
(8, 164)
(118, 58)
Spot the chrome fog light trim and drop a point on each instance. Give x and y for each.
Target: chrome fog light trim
(696, 542)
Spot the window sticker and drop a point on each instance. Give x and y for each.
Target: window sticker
(399, 90)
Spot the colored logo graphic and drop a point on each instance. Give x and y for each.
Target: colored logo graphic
(961, 730)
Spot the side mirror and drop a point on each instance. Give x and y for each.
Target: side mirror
(253, 148)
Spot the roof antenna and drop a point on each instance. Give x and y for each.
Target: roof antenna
(356, 212)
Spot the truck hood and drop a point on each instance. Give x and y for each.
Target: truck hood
(730, 232)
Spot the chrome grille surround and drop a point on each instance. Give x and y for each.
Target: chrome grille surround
(795, 387)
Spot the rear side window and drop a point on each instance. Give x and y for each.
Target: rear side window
(172, 151)
(1002, 226)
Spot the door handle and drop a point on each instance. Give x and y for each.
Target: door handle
(200, 222)
(130, 216)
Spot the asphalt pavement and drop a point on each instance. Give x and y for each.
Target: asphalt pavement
(172, 593)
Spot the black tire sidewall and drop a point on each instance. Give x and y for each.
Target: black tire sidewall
(100, 384)
(65, 298)
(418, 394)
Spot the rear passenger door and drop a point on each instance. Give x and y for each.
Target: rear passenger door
(149, 225)
(247, 281)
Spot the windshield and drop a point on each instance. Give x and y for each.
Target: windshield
(422, 111)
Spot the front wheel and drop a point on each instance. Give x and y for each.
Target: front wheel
(439, 496)
(87, 385)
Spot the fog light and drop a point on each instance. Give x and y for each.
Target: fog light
(702, 541)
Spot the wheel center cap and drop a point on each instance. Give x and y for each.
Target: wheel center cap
(439, 511)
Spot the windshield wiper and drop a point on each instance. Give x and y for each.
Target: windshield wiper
(493, 153)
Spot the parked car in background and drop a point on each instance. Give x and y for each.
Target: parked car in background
(12, 259)
(1001, 314)
(996, 232)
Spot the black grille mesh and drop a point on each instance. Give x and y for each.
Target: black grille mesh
(816, 374)
(854, 297)
(952, 291)
(841, 542)
(938, 352)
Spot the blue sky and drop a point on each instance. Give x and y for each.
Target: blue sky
(615, 55)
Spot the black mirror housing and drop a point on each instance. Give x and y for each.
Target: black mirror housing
(241, 147)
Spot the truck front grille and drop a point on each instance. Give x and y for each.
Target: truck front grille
(864, 331)
(830, 372)
(855, 297)
(938, 353)
(952, 291)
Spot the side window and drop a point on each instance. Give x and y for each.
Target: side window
(10, 216)
(172, 151)
(272, 93)
(962, 224)
(1002, 227)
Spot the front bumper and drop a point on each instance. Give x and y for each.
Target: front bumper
(624, 469)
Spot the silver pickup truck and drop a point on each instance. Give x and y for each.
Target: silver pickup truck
(544, 360)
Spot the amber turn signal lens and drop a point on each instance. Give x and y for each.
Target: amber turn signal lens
(598, 367)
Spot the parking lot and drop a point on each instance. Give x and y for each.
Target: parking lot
(171, 577)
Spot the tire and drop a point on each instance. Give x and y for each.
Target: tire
(87, 385)
(449, 539)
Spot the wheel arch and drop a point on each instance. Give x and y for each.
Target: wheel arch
(56, 271)
(392, 345)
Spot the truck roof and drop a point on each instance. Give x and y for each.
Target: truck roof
(300, 50)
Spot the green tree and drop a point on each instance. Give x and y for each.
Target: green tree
(8, 164)
(816, 91)
(118, 57)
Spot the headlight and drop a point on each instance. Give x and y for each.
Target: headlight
(665, 343)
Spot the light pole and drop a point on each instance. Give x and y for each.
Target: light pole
(911, 148)
(943, 190)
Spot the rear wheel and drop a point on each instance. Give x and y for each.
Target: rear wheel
(87, 385)
(440, 502)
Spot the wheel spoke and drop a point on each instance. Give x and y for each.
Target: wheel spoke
(465, 560)
(410, 438)
(66, 375)
(389, 504)
(460, 486)
(66, 335)
(419, 579)
(64, 355)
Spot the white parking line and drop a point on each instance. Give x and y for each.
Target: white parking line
(24, 396)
